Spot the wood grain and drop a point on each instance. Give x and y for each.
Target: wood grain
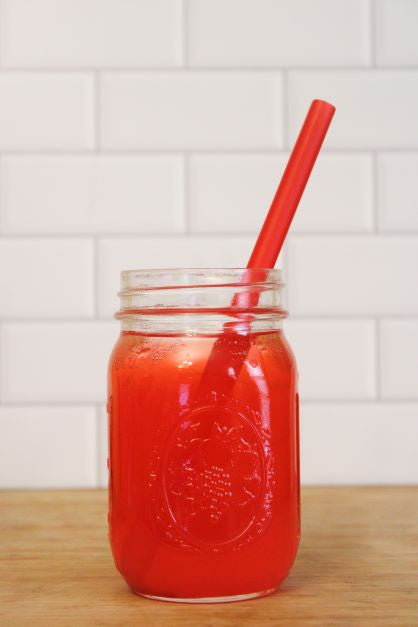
(357, 565)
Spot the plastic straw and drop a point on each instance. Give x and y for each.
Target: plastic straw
(229, 352)
(292, 184)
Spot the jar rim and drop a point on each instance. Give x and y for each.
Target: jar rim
(200, 298)
(173, 278)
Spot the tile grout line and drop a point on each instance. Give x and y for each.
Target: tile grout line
(373, 55)
(372, 34)
(96, 111)
(96, 295)
(349, 235)
(286, 109)
(99, 452)
(196, 69)
(54, 404)
(377, 357)
(375, 194)
(2, 34)
(186, 197)
(1, 365)
(1, 207)
(97, 150)
(95, 240)
(1, 188)
(185, 34)
(162, 152)
(285, 259)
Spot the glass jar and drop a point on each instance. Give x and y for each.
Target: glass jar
(203, 431)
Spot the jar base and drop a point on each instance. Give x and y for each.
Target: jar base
(226, 599)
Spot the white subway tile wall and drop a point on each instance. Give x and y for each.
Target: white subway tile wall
(358, 275)
(398, 191)
(91, 33)
(230, 193)
(46, 278)
(254, 33)
(58, 362)
(94, 194)
(153, 133)
(359, 443)
(399, 346)
(397, 32)
(347, 349)
(377, 109)
(46, 111)
(191, 110)
(48, 447)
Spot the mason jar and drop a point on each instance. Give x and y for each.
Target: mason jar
(203, 434)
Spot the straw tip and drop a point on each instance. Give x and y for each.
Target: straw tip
(323, 104)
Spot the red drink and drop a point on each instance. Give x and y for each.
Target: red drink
(204, 483)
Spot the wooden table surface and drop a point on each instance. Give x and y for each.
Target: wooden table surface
(358, 564)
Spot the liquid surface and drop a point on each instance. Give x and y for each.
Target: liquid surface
(204, 477)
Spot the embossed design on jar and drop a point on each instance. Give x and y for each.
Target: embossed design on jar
(214, 476)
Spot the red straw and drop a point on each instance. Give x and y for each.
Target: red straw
(288, 194)
(229, 351)
(290, 190)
